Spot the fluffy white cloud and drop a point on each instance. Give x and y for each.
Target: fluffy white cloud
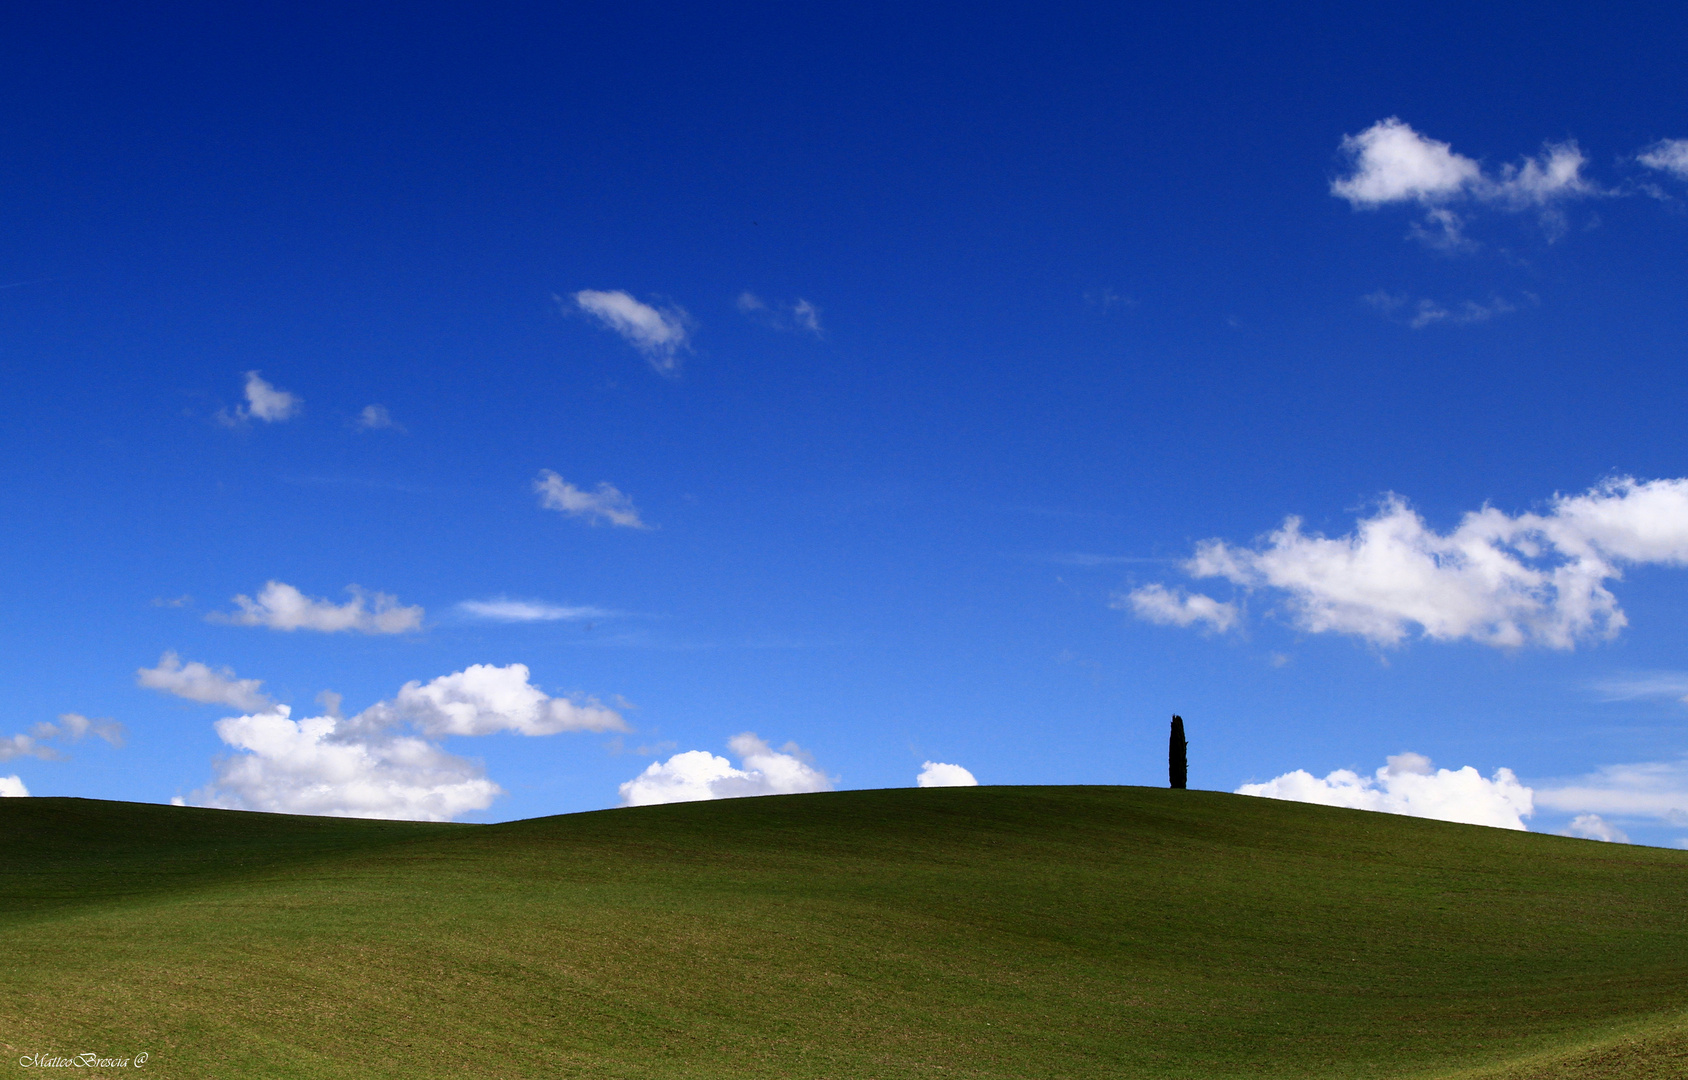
(282, 607)
(939, 774)
(1407, 785)
(1595, 827)
(1667, 155)
(605, 504)
(11, 787)
(1389, 162)
(383, 762)
(506, 610)
(482, 699)
(1498, 579)
(1393, 163)
(697, 775)
(263, 402)
(1159, 604)
(312, 766)
(659, 333)
(197, 682)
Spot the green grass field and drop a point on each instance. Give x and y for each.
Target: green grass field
(962, 932)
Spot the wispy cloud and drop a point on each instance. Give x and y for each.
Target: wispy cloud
(659, 333)
(1427, 312)
(1641, 685)
(71, 727)
(377, 418)
(1410, 785)
(198, 682)
(263, 402)
(604, 504)
(282, 607)
(503, 609)
(1656, 790)
(1498, 579)
(697, 775)
(1667, 155)
(797, 314)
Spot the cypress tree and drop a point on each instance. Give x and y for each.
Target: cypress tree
(1177, 755)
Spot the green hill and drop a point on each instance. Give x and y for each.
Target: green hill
(963, 932)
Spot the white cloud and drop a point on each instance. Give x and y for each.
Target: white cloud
(384, 762)
(74, 726)
(659, 333)
(697, 775)
(263, 402)
(1158, 604)
(939, 774)
(1406, 785)
(799, 314)
(1595, 827)
(377, 418)
(806, 316)
(11, 787)
(1645, 789)
(1655, 684)
(15, 746)
(1529, 579)
(1428, 312)
(1391, 163)
(1667, 155)
(197, 682)
(311, 766)
(504, 609)
(605, 504)
(482, 699)
(282, 607)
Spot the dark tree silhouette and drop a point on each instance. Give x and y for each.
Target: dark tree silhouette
(1177, 755)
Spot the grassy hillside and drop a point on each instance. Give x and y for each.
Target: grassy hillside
(966, 932)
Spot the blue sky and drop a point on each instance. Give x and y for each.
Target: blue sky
(902, 386)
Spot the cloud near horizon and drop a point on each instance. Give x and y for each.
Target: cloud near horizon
(384, 762)
(697, 775)
(1407, 785)
(282, 607)
(941, 774)
(1498, 579)
(659, 333)
(12, 787)
(605, 504)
